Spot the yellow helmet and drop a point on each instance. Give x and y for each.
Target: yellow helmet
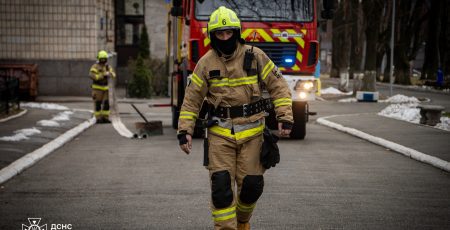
(223, 19)
(102, 55)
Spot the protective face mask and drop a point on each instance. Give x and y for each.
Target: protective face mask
(228, 46)
(225, 46)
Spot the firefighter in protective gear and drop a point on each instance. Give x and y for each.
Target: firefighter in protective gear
(235, 98)
(100, 72)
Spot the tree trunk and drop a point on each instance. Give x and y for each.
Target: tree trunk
(387, 70)
(445, 42)
(402, 65)
(385, 43)
(410, 18)
(372, 13)
(380, 56)
(340, 41)
(356, 18)
(431, 61)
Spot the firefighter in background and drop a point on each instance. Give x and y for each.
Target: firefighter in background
(237, 109)
(100, 72)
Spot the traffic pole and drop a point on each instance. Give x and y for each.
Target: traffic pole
(391, 78)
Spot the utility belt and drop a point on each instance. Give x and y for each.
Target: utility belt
(245, 110)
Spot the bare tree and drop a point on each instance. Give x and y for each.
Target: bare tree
(341, 39)
(445, 41)
(409, 34)
(372, 14)
(437, 49)
(356, 51)
(384, 46)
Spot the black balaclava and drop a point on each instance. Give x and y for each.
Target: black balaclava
(226, 47)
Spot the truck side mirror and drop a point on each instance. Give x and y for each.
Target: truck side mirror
(177, 9)
(177, 3)
(328, 9)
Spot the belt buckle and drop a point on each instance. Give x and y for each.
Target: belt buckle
(244, 110)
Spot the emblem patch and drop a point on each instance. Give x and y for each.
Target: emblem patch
(277, 72)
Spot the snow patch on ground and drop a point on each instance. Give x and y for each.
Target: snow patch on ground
(24, 134)
(445, 124)
(21, 134)
(49, 106)
(405, 108)
(48, 123)
(332, 90)
(401, 99)
(407, 112)
(63, 116)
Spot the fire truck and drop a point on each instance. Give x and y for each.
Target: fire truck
(286, 30)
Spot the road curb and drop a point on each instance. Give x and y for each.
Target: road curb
(31, 158)
(434, 161)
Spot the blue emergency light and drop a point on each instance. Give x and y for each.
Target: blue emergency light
(288, 60)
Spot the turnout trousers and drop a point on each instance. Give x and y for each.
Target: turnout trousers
(236, 177)
(101, 103)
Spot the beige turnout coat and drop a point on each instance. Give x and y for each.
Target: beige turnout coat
(224, 82)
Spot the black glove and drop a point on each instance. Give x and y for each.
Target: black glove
(182, 138)
(270, 154)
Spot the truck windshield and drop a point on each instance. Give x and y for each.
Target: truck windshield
(260, 10)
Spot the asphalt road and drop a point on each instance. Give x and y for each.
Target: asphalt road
(330, 180)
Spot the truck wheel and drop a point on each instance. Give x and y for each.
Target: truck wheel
(175, 116)
(299, 112)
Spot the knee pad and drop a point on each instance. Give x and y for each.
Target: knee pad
(222, 194)
(252, 188)
(106, 105)
(98, 105)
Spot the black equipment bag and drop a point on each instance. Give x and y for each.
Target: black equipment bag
(270, 154)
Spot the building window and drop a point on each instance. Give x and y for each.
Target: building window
(129, 23)
(130, 19)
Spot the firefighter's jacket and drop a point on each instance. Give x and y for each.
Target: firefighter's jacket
(98, 74)
(224, 82)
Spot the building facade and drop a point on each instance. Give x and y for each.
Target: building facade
(61, 36)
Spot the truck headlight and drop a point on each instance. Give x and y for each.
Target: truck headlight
(308, 85)
(304, 85)
(302, 95)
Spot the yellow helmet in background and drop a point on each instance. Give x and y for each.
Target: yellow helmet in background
(223, 19)
(102, 55)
